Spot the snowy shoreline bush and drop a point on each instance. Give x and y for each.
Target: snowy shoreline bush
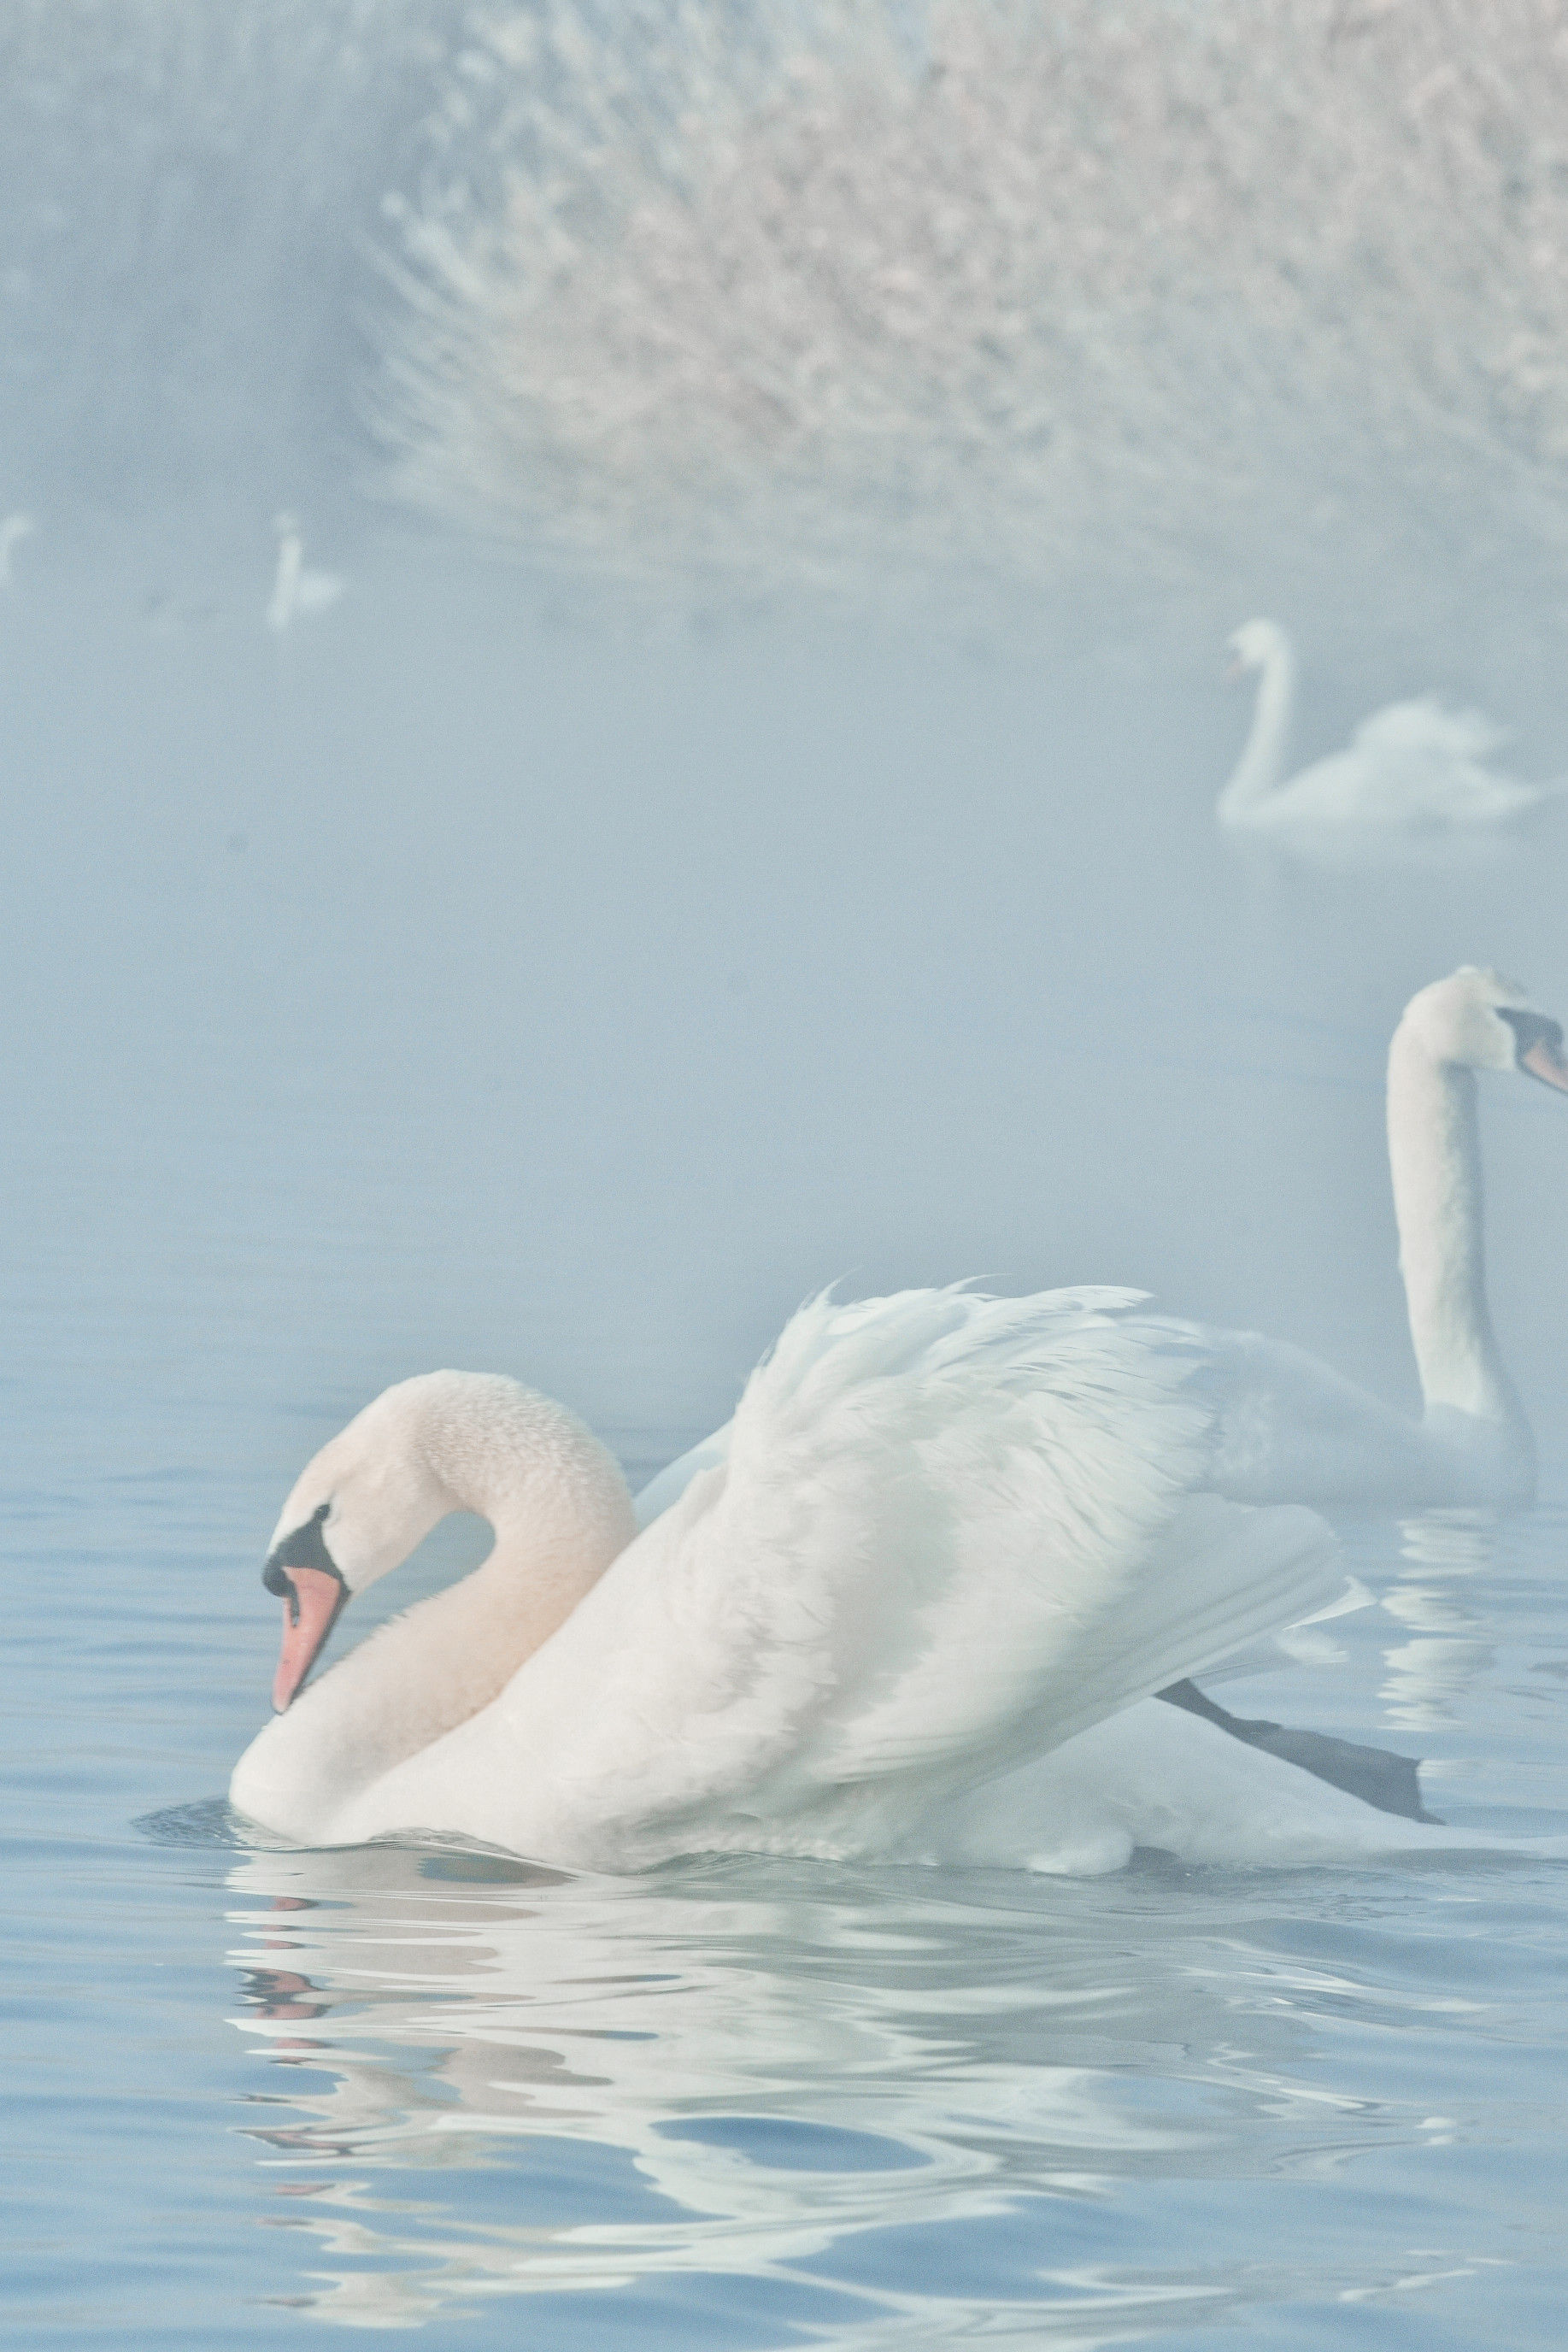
(1047, 294)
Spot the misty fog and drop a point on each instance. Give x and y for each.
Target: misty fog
(737, 816)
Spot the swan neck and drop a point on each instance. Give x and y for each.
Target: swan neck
(1434, 1152)
(561, 1512)
(1261, 766)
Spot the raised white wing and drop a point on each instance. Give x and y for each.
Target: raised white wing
(951, 1532)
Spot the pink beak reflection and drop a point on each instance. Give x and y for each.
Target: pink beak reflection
(309, 1611)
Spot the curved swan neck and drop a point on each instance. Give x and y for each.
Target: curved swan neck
(1434, 1152)
(560, 1510)
(530, 1467)
(1259, 770)
(561, 1513)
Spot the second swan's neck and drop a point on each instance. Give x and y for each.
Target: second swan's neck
(1259, 770)
(1433, 1153)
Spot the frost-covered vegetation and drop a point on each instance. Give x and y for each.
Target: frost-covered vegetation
(942, 294)
(188, 189)
(1045, 290)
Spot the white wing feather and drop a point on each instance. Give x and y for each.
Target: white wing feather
(951, 1532)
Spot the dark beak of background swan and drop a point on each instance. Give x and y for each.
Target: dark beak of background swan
(302, 1571)
(1540, 1047)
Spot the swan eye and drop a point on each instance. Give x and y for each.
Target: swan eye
(1531, 1029)
(305, 1548)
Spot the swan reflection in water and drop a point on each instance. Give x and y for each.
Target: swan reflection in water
(1448, 1651)
(484, 2078)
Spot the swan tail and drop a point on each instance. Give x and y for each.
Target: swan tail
(1167, 1780)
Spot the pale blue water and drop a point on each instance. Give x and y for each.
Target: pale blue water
(470, 979)
(442, 990)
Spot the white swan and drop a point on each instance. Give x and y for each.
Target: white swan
(1291, 1429)
(1411, 767)
(950, 1533)
(295, 589)
(14, 528)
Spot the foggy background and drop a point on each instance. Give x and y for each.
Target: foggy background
(747, 820)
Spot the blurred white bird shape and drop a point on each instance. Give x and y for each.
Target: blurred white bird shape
(14, 527)
(1412, 767)
(296, 589)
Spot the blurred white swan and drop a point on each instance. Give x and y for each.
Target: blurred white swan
(951, 1532)
(1291, 1429)
(13, 529)
(295, 589)
(1411, 767)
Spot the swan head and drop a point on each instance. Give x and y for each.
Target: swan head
(359, 1509)
(1254, 645)
(1478, 1020)
(440, 1442)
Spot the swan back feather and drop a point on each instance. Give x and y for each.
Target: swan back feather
(1428, 728)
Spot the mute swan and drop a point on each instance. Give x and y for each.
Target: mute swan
(295, 589)
(1413, 766)
(951, 1532)
(1294, 1429)
(14, 527)
(1291, 1429)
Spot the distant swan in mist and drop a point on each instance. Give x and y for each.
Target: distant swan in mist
(1412, 767)
(296, 589)
(1291, 1429)
(15, 528)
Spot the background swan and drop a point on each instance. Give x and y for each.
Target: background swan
(1295, 1429)
(951, 1532)
(1289, 1428)
(14, 528)
(295, 588)
(1410, 766)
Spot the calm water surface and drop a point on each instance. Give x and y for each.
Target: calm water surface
(441, 990)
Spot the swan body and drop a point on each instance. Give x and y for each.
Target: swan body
(14, 528)
(295, 588)
(949, 1533)
(1287, 1428)
(1159, 1777)
(1412, 767)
